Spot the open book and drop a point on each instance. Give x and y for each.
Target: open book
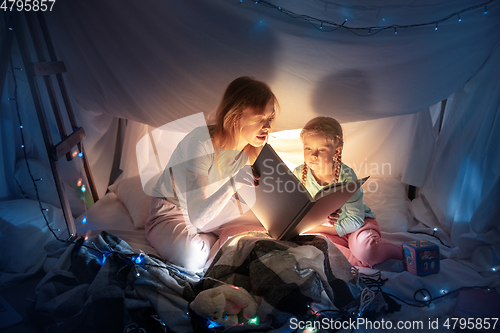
(284, 206)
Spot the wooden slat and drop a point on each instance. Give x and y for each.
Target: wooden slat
(65, 146)
(60, 80)
(47, 68)
(88, 173)
(43, 66)
(67, 103)
(37, 100)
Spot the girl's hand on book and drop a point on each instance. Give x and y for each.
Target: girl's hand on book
(333, 217)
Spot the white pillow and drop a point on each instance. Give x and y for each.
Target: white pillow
(131, 194)
(23, 235)
(388, 199)
(46, 187)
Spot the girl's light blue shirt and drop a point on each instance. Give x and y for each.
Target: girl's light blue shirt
(354, 210)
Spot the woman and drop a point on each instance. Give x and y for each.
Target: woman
(196, 194)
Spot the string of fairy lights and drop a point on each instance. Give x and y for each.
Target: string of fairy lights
(138, 261)
(330, 26)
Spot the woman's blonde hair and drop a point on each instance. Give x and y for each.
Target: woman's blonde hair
(240, 94)
(331, 130)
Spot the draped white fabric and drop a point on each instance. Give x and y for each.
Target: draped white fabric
(156, 61)
(462, 185)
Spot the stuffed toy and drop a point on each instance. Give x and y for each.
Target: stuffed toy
(223, 303)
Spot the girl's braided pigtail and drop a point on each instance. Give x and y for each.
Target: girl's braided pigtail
(304, 174)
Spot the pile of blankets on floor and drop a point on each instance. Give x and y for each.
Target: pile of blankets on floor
(103, 285)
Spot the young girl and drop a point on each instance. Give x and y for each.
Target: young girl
(195, 195)
(353, 228)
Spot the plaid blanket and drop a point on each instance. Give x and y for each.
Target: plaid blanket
(287, 278)
(103, 286)
(88, 291)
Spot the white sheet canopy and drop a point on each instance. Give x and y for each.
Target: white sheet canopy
(156, 61)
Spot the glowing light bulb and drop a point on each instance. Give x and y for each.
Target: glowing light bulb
(443, 291)
(254, 320)
(459, 18)
(75, 153)
(83, 189)
(21, 126)
(84, 221)
(213, 324)
(79, 183)
(138, 258)
(435, 229)
(494, 269)
(436, 26)
(80, 154)
(22, 146)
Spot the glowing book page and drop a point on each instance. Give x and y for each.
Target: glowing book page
(284, 206)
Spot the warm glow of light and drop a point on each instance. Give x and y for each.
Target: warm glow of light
(79, 182)
(287, 134)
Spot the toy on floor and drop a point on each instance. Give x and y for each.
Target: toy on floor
(421, 257)
(223, 303)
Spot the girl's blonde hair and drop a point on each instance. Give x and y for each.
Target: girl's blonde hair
(331, 130)
(240, 94)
